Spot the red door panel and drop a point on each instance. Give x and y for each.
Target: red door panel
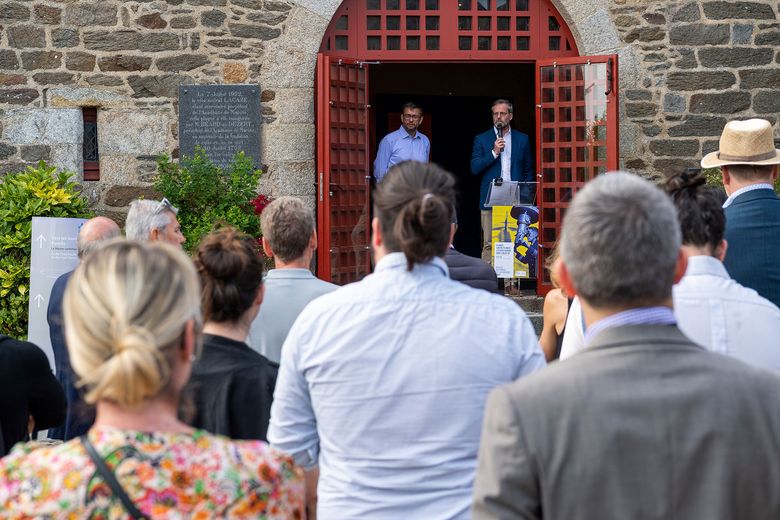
(577, 136)
(343, 221)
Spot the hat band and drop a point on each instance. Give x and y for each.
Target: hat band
(747, 158)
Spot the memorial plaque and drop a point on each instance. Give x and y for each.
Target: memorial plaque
(223, 119)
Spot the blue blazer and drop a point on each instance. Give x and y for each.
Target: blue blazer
(483, 163)
(753, 234)
(79, 417)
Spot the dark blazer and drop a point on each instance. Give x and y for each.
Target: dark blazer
(79, 416)
(233, 387)
(483, 163)
(753, 234)
(471, 271)
(642, 424)
(27, 387)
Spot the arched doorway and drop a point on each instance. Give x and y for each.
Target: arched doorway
(462, 54)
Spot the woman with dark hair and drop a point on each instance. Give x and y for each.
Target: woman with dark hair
(711, 308)
(233, 385)
(383, 382)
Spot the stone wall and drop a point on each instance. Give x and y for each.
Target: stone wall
(128, 59)
(685, 69)
(702, 64)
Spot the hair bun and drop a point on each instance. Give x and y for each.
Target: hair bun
(217, 258)
(685, 181)
(135, 338)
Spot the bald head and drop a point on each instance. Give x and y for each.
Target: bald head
(93, 232)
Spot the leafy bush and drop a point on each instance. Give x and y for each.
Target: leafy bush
(208, 195)
(36, 192)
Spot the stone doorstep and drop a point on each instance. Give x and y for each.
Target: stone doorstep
(532, 305)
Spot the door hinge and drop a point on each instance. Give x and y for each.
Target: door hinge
(322, 175)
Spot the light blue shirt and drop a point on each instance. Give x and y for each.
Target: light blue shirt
(640, 316)
(725, 317)
(287, 292)
(398, 147)
(384, 382)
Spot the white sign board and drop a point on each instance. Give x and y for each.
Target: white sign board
(53, 253)
(504, 259)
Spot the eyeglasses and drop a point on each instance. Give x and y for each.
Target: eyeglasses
(413, 117)
(501, 114)
(165, 205)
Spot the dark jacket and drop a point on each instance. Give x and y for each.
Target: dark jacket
(27, 387)
(753, 234)
(79, 416)
(232, 386)
(521, 168)
(471, 271)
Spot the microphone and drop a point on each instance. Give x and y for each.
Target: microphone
(499, 133)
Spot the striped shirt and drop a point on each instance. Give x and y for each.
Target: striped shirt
(642, 316)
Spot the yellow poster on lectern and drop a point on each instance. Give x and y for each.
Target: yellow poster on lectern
(515, 241)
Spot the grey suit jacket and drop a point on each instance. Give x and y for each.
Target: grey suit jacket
(643, 424)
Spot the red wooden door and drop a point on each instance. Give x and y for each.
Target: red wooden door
(343, 217)
(577, 136)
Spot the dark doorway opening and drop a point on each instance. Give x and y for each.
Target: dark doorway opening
(456, 97)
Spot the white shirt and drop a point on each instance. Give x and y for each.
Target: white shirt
(384, 382)
(574, 332)
(714, 311)
(718, 313)
(506, 156)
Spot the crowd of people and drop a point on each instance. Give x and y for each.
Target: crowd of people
(205, 388)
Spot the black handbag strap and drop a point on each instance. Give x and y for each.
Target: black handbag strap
(110, 479)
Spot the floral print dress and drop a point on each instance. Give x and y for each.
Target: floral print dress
(167, 476)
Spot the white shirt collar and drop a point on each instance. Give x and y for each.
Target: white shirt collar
(760, 186)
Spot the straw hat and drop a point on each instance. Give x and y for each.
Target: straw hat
(744, 142)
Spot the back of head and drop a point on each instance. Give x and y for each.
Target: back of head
(126, 307)
(752, 172)
(699, 209)
(414, 205)
(620, 242)
(288, 226)
(146, 215)
(94, 233)
(231, 272)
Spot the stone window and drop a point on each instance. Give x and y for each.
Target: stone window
(90, 148)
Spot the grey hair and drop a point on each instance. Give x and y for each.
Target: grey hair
(506, 102)
(288, 225)
(146, 215)
(621, 241)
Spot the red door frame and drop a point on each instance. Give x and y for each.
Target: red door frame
(350, 23)
(612, 149)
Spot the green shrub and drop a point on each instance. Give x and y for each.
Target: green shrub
(35, 192)
(209, 196)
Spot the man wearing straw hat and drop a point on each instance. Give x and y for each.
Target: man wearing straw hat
(748, 161)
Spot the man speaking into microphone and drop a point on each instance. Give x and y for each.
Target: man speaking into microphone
(501, 153)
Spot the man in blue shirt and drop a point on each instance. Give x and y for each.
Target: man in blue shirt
(405, 144)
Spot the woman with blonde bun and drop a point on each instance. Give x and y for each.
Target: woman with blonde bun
(133, 325)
